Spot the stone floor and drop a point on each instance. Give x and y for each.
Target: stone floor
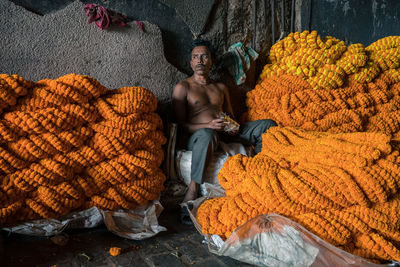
(181, 245)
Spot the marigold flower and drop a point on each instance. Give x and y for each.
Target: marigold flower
(343, 187)
(115, 251)
(320, 84)
(70, 143)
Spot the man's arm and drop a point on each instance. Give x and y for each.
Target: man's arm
(228, 107)
(227, 101)
(216, 124)
(179, 102)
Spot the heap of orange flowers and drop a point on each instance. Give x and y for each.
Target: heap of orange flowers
(291, 101)
(327, 63)
(69, 144)
(342, 187)
(333, 88)
(332, 166)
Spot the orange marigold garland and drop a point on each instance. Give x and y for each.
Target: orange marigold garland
(70, 144)
(339, 178)
(357, 87)
(342, 187)
(290, 101)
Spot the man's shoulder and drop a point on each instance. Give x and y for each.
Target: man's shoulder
(181, 89)
(185, 84)
(220, 85)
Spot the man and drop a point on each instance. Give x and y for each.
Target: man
(197, 103)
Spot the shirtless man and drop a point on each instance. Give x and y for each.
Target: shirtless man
(197, 102)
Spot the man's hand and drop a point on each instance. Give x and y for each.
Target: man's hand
(233, 132)
(217, 124)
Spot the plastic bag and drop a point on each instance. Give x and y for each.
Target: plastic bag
(136, 224)
(184, 163)
(274, 240)
(230, 124)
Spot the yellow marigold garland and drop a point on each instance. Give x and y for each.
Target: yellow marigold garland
(326, 63)
(313, 58)
(70, 144)
(342, 187)
(357, 85)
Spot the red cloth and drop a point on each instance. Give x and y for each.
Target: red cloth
(104, 17)
(140, 24)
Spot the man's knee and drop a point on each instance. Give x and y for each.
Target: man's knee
(266, 124)
(205, 134)
(204, 137)
(261, 126)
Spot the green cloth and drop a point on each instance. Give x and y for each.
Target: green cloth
(237, 60)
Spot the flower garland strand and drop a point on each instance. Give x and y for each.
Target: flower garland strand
(343, 187)
(69, 144)
(336, 172)
(290, 101)
(320, 84)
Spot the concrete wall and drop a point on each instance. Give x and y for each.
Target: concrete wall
(62, 42)
(54, 37)
(224, 22)
(176, 19)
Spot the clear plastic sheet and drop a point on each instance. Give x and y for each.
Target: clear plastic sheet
(136, 224)
(230, 124)
(274, 240)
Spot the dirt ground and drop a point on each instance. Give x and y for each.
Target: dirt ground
(181, 245)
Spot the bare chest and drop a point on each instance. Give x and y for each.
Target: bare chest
(204, 96)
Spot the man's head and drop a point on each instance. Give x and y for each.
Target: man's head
(201, 56)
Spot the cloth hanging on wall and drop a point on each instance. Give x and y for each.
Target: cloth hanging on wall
(238, 60)
(104, 17)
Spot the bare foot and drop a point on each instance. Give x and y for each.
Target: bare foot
(191, 193)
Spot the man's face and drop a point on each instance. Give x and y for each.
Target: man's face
(201, 61)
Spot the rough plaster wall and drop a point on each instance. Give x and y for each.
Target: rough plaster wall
(176, 34)
(42, 7)
(38, 47)
(195, 13)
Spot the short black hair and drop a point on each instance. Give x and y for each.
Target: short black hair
(203, 42)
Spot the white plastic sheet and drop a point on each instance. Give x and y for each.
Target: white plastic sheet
(275, 241)
(184, 163)
(136, 224)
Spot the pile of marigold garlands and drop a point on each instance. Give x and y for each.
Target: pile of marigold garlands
(342, 187)
(332, 165)
(69, 144)
(320, 84)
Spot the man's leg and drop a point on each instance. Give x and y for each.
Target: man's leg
(202, 143)
(250, 133)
